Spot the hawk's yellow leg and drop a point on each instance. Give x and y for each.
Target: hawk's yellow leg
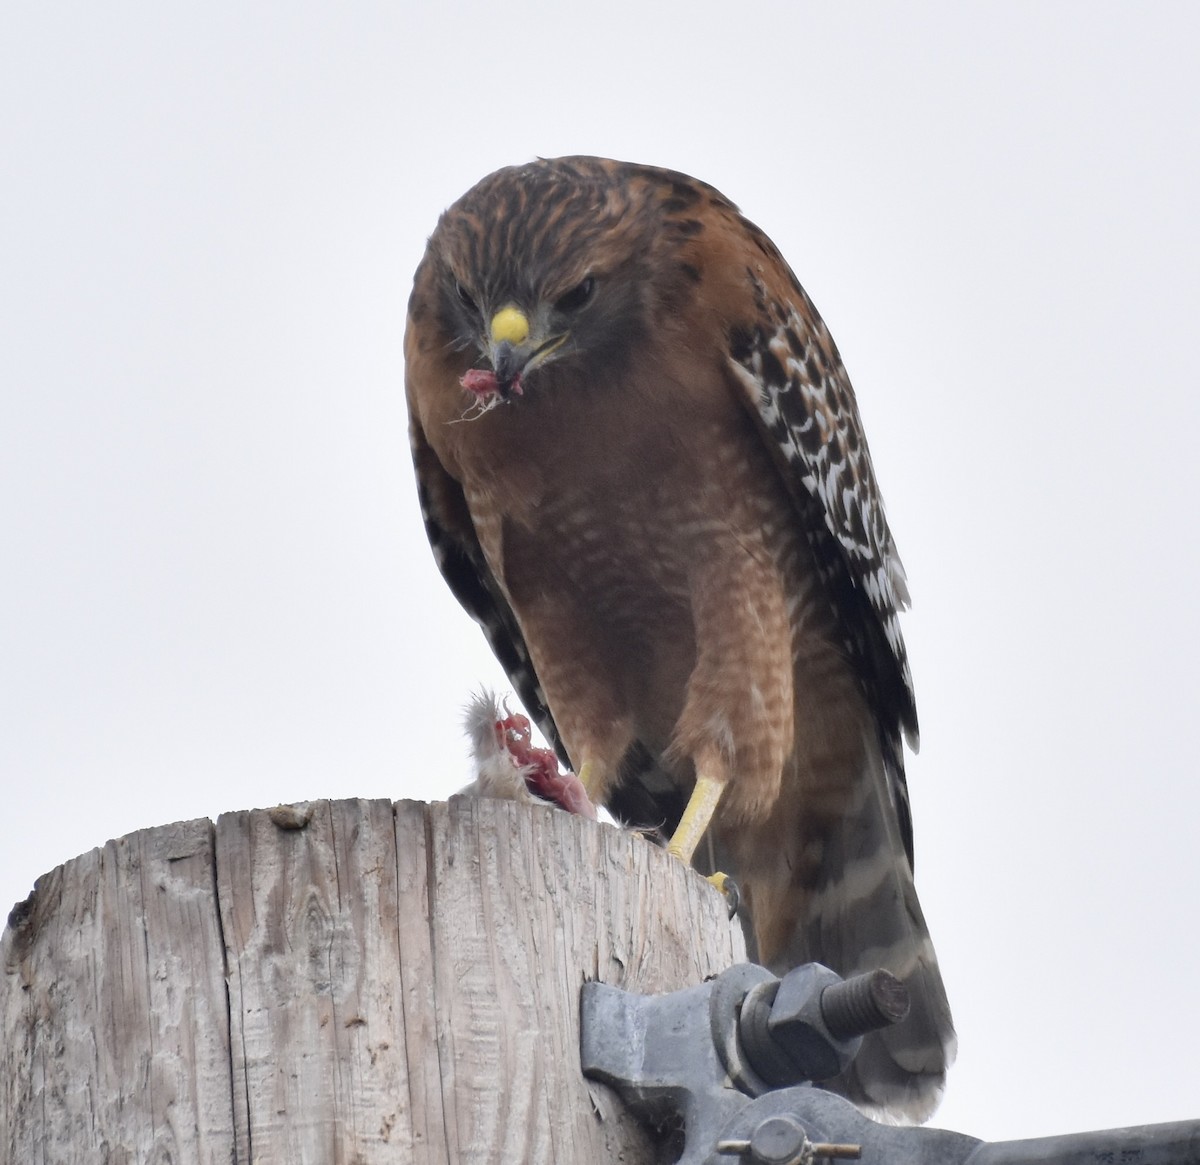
(591, 774)
(688, 834)
(701, 806)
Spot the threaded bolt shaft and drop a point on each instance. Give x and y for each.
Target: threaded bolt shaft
(863, 1003)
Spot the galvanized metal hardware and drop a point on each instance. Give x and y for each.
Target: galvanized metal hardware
(733, 1061)
(782, 1140)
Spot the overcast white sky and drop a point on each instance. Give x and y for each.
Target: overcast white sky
(216, 593)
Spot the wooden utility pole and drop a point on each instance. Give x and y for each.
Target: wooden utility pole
(338, 983)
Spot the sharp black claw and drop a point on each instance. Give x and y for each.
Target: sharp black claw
(728, 887)
(733, 897)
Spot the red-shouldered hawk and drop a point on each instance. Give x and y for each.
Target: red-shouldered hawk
(642, 471)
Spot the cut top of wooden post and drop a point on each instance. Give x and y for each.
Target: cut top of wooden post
(342, 982)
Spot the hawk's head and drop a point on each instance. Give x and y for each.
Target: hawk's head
(560, 260)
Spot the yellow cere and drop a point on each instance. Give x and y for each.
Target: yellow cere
(511, 325)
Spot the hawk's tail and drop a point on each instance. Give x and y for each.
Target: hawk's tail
(839, 891)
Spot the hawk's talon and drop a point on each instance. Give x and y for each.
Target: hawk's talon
(728, 887)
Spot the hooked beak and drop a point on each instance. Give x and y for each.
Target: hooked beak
(515, 348)
(509, 362)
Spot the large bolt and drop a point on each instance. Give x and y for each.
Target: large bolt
(809, 1025)
(864, 1003)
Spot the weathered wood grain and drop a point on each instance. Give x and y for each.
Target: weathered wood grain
(115, 1043)
(560, 901)
(403, 985)
(310, 919)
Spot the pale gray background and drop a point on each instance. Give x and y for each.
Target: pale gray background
(216, 593)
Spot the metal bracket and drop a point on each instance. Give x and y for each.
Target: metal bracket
(734, 1058)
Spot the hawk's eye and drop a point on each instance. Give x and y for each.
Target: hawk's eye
(576, 297)
(464, 297)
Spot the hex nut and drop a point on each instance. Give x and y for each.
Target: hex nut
(796, 1023)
